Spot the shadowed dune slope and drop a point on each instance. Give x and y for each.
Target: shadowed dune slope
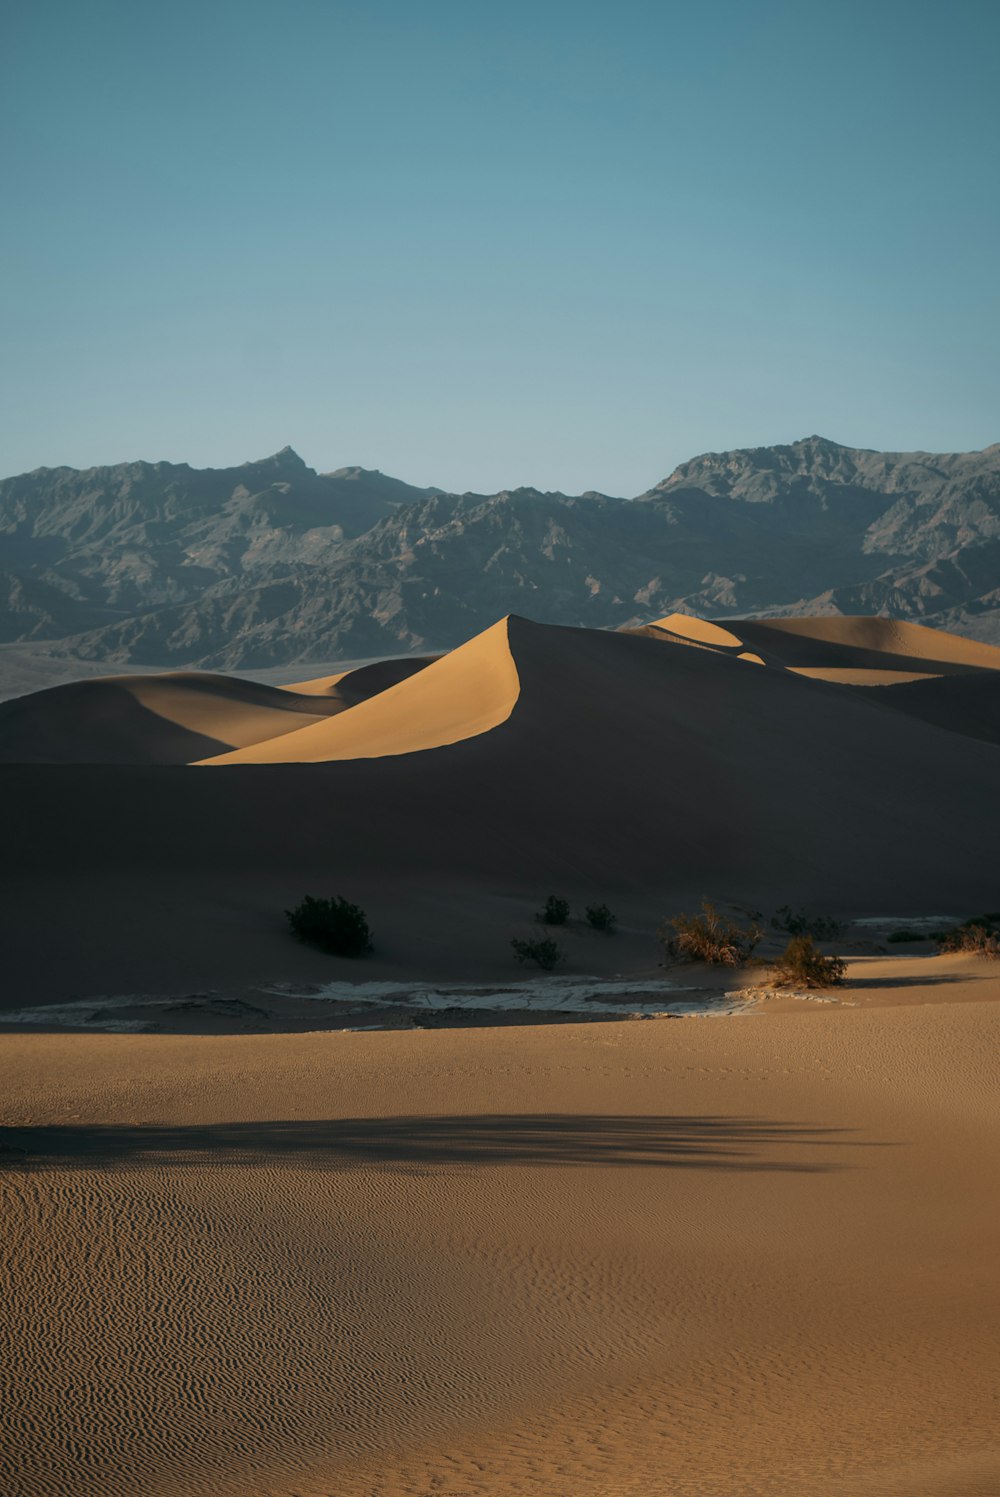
(351, 687)
(643, 772)
(459, 696)
(173, 718)
(962, 704)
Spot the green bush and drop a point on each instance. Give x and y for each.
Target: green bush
(332, 924)
(542, 950)
(556, 911)
(803, 965)
(599, 917)
(797, 923)
(905, 934)
(979, 936)
(710, 937)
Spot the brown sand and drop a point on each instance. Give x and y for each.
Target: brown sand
(749, 1257)
(163, 719)
(858, 651)
(178, 717)
(459, 696)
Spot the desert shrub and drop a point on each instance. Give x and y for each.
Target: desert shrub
(556, 911)
(803, 965)
(542, 950)
(798, 923)
(332, 924)
(599, 917)
(905, 934)
(979, 936)
(710, 937)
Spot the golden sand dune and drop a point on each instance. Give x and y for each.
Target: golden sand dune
(458, 696)
(861, 651)
(656, 1260)
(628, 770)
(177, 717)
(699, 631)
(876, 636)
(859, 675)
(171, 718)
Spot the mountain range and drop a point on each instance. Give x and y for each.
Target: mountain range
(270, 562)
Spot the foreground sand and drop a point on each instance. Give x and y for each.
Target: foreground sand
(728, 1257)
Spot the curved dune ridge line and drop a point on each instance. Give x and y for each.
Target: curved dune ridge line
(858, 675)
(172, 718)
(703, 631)
(320, 686)
(364, 681)
(968, 703)
(850, 651)
(461, 695)
(854, 636)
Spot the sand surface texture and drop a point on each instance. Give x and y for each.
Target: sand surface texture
(747, 1257)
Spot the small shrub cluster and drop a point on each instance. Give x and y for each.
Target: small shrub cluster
(545, 951)
(803, 965)
(710, 937)
(542, 950)
(797, 923)
(979, 936)
(557, 912)
(331, 924)
(905, 934)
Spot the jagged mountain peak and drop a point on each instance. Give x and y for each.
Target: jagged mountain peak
(287, 460)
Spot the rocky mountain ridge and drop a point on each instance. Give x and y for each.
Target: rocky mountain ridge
(271, 562)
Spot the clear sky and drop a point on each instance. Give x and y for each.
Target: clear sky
(564, 244)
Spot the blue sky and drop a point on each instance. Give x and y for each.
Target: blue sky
(478, 246)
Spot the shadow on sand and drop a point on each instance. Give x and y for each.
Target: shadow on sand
(705, 1143)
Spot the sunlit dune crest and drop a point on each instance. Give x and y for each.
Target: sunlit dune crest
(459, 696)
(689, 626)
(411, 704)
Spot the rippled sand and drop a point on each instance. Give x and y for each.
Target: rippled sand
(751, 1256)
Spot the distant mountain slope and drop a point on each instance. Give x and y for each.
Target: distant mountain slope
(272, 562)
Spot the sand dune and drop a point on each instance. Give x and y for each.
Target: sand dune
(358, 685)
(458, 696)
(173, 718)
(859, 651)
(746, 1257)
(752, 1256)
(628, 770)
(967, 704)
(177, 717)
(878, 636)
